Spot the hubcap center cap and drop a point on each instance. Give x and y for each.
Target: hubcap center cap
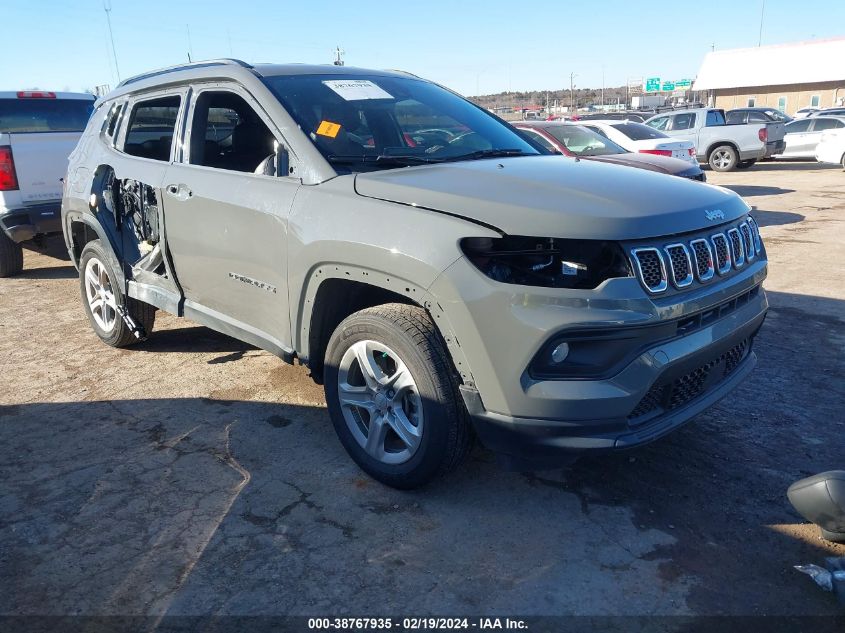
(382, 402)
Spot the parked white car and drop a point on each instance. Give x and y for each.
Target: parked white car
(831, 148)
(637, 137)
(38, 130)
(803, 135)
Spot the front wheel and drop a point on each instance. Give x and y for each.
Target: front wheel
(11, 256)
(723, 158)
(104, 300)
(392, 394)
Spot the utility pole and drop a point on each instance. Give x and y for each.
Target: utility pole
(107, 9)
(762, 12)
(572, 77)
(602, 84)
(338, 56)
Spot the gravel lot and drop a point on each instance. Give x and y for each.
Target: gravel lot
(194, 474)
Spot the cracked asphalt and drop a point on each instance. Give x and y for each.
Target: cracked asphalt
(196, 475)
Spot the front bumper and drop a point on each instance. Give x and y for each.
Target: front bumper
(24, 223)
(663, 385)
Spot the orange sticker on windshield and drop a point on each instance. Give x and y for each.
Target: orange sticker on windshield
(327, 128)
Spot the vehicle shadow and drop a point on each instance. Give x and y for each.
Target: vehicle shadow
(48, 272)
(195, 339)
(775, 218)
(785, 164)
(748, 191)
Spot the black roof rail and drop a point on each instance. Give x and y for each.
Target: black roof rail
(172, 69)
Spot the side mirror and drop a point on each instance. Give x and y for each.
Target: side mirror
(821, 499)
(282, 161)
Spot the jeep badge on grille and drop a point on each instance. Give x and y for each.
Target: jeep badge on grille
(715, 214)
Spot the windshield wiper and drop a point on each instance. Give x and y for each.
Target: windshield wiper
(491, 153)
(384, 159)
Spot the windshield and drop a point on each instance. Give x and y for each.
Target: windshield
(583, 142)
(372, 122)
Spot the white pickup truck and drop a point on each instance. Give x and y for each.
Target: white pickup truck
(38, 130)
(724, 147)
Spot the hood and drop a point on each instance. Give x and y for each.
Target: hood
(555, 196)
(652, 162)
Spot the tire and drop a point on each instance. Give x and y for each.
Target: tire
(404, 350)
(11, 256)
(843, 161)
(745, 164)
(722, 158)
(95, 271)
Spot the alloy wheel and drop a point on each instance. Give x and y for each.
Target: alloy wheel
(100, 295)
(380, 402)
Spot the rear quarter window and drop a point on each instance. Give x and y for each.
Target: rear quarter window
(24, 116)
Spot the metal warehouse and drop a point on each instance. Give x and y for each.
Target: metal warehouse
(784, 76)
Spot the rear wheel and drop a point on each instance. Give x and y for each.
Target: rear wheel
(392, 393)
(745, 164)
(104, 300)
(843, 161)
(723, 158)
(11, 256)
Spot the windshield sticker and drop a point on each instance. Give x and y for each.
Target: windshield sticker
(327, 128)
(357, 89)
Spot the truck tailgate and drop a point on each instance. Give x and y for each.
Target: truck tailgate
(40, 162)
(775, 131)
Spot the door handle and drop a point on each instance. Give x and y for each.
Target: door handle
(180, 192)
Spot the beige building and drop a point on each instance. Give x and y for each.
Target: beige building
(785, 76)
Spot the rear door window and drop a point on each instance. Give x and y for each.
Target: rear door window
(798, 126)
(684, 121)
(28, 115)
(714, 117)
(152, 125)
(660, 123)
(826, 124)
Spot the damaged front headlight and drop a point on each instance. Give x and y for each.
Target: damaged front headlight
(547, 261)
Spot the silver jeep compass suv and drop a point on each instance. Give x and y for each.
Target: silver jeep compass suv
(440, 274)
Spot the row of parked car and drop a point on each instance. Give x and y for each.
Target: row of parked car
(735, 139)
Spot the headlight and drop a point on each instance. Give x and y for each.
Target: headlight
(547, 261)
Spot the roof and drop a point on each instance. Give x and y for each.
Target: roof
(777, 65)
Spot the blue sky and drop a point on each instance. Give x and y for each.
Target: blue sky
(468, 45)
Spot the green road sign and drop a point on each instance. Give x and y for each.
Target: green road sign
(668, 86)
(683, 83)
(652, 84)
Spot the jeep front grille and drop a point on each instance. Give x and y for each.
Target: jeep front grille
(696, 258)
(664, 397)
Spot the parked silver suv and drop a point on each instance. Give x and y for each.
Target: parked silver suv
(441, 275)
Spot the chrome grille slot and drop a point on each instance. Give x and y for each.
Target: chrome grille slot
(703, 255)
(755, 229)
(737, 250)
(747, 241)
(680, 265)
(723, 253)
(651, 269)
